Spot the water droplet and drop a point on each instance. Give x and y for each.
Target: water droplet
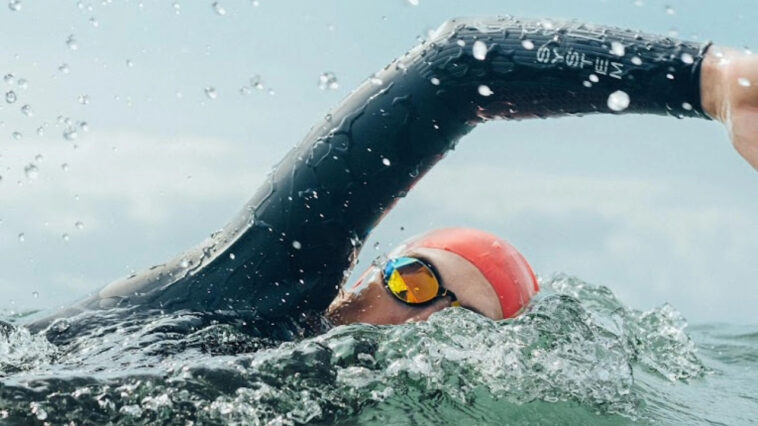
(9, 78)
(14, 5)
(386, 161)
(64, 167)
(413, 2)
(21, 237)
(220, 10)
(83, 99)
(129, 63)
(461, 42)
(271, 92)
(687, 58)
(22, 83)
(232, 256)
(687, 106)
(528, 44)
(376, 81)
(257, 82)
(618, 49)
(38, 158)
(17, 135)
(296, 244)
(256, 3)
(376, 245)
(742, 81)
(35, 294)
(636, 60)
(246, 90)
(71, 42)
(70, 133)
(184, 263)
(670, 76)
(79, 225)
(64, 68)
(94, 22)
(618, 101)
(27, 110)
(65, 237)
(210, 92)
(670, 10)
(10, 96)
(639, 3)
(594, 78)
(479, 50)
(435, 81)
(84, 126)
(587, 84)
(485, 90)
(327, 80)
(31, 171)
(41, 131)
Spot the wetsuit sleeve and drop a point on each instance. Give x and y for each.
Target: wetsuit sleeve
(289, 249)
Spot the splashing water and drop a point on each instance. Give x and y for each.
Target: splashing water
(578, 355)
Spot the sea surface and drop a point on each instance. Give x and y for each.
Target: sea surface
(578, 355)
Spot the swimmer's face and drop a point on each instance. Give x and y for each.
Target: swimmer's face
(369, 301)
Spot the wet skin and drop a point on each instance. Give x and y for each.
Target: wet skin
(369, 301)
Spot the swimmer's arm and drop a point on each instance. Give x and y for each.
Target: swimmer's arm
(729, 88)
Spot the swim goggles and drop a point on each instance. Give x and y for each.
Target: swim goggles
(413, 281)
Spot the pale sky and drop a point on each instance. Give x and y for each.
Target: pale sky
(658, 209)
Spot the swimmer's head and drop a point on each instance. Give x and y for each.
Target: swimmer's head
(432, 271)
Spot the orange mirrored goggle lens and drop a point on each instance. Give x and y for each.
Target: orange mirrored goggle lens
(410, 280)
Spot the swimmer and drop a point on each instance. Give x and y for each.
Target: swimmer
(286, 256)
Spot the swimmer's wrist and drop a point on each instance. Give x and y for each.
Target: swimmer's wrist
(711, 87)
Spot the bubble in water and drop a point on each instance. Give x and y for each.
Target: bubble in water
(210, 92)
(22, 83)
(687, 58)
(177, 7)
(670, 10)
(10, 96)
(327, 80)
(72, 43)
(84, 126)
(83, 99)
(586, 84)
(594, 78)
(618, 101)
(41, 131)
(257, 82)
(219, 8)
(65, 237)
(386, 161)
(618, 49)
(296, 244)
(38, 158)
(528, 44)
(479, 50)
(129, 63)
(742, 81)
(27, 110)
(79, 225)
(485, 90)
(14, 5)
(687, 106)
(232, 256)
(64, 68)
(31, 171)
(17, 136)
(21, 237)
(94, 22)
(9, 78)
(35, 294)
(64, 167)
(637, 60)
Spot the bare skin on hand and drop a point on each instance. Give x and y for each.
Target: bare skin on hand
(729, 87)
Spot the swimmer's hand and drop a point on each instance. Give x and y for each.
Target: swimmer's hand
(729, 88)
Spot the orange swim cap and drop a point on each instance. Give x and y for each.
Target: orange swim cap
(501, 264)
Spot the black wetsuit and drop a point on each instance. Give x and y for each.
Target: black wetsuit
(288, 251)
